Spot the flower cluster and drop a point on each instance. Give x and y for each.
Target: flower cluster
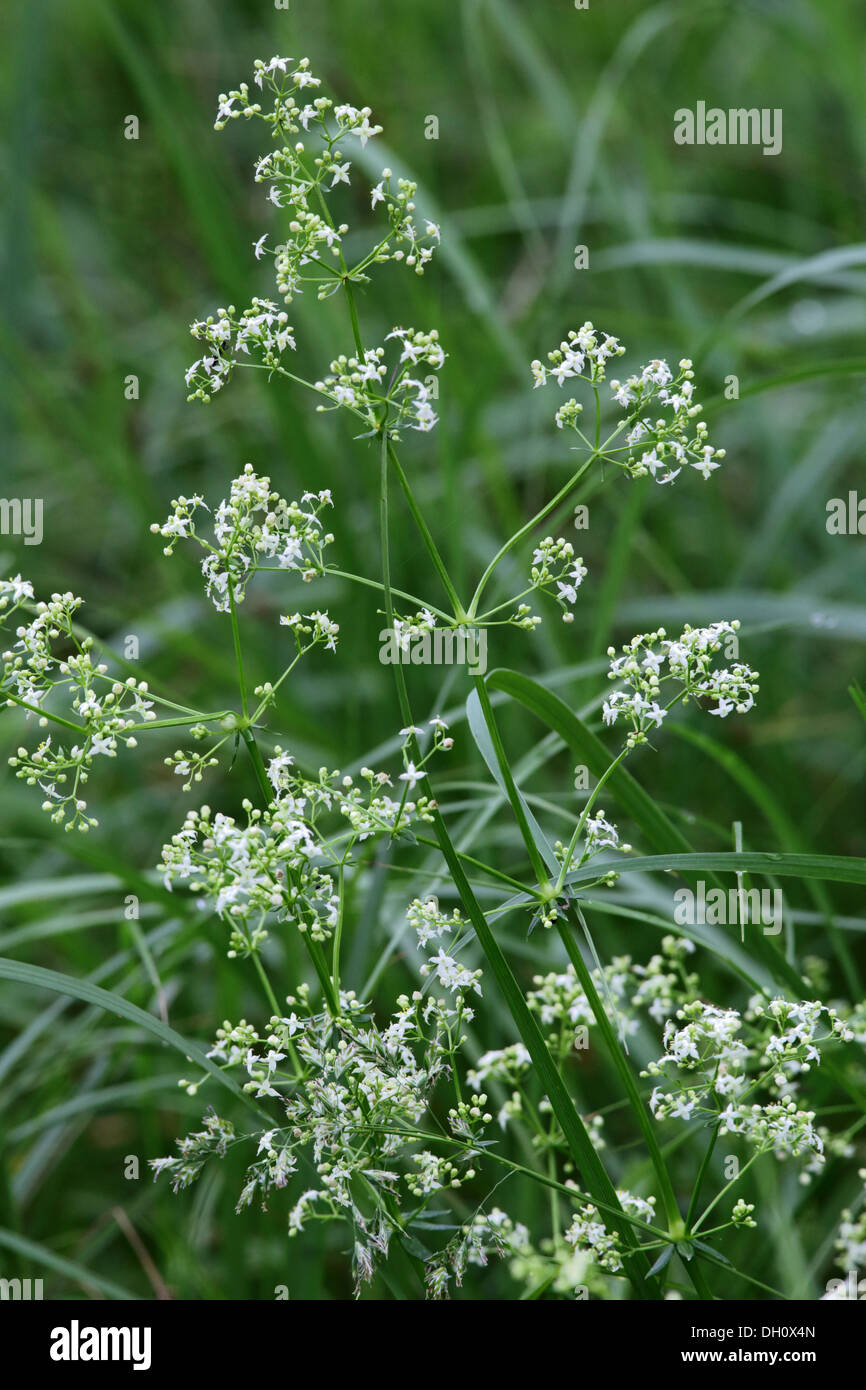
(562, 1007)
(558, 572)
(706, 1044)
(430, 925)
(30, 667)
(102, 711)
(583, 354)
(300, 173)
(275, 866)
(305, 167)
(650, 658)
(249, 873)
(506, 1064)
(406, 629)
(359, 384)
(261, 333)
(588, 1232)
(715, 1059)
(712, 1065)
(659, 447)
(311, 630)
(353, 1095)
(565, 1272)
(406, 242)
(255, 528)
(664, 984)
(793, 1044)
(440, 743)
(598, 834)
(195, 1150)
(741, 1213)
(14, 593)
(488, 1234)
(851, 1240)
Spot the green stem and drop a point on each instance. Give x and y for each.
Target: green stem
(266, 985)
(696, 1275)
(745, 1168)
(621, 1064)
(43, 713)
(265, 787)
(313, 948)
(238, 657)
(426, 536)
(524, 530)
(591, 799)
(179, 722)
(338, 930)
(579, 1143)
(401, 593)
(317, 956)
(538, 865)
(702, 1171)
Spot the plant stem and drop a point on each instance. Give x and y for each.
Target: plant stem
(266, 984)
(524, 530)
(236, 636)
(590, 802)
(705, 1163)
(426, 536)
(579, 1143)
(313, 948)
(745, 1168)
(265, 787)
(538, 865)
(401, 593)
(621, 1064)
(44, 714)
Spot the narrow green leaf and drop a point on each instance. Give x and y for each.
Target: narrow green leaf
(629, 794)
(69, 1269)
(836, 868)
(592, 1171)
(40, 978)
(663, 1260)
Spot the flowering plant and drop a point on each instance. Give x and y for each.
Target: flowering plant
(399, 1125)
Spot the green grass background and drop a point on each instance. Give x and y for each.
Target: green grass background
(555, 129)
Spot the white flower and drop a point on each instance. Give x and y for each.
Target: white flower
(276, 768)
(450, 974)
(682, 1109)
(15, 588)
(706, 464)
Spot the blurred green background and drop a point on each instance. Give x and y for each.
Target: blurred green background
(555, 129)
